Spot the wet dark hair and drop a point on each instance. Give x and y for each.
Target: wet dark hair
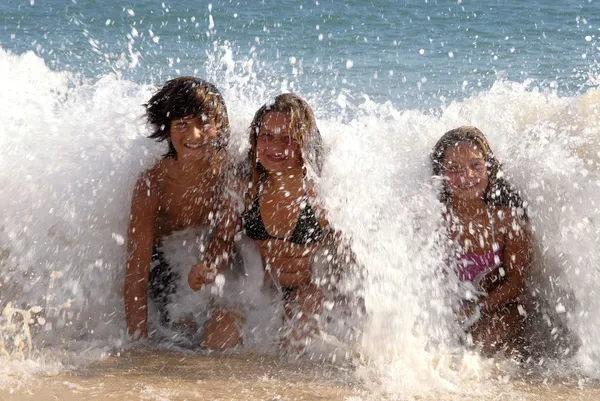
(303, 130)
(499, 191)
(182, 97)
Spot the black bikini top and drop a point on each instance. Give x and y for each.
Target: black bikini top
(307, 230)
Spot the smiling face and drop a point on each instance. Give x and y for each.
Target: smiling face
(193, 138)
(465, 171)
(276, 150)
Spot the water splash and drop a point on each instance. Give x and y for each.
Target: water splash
(74, 149)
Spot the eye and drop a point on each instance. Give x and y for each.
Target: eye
(478, 165)
(451, 168)
(181, 124)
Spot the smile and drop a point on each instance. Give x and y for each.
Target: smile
(193, 145)
(468, 186)
(277, 157)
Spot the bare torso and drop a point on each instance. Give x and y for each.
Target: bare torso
(478, 235)
(289, 262)
(166, 198)
(501, 318)
(183, 201)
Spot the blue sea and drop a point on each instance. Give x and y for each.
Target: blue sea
(416, 54)
(386, 79)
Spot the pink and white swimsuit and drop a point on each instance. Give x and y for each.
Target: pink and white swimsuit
(474, 267)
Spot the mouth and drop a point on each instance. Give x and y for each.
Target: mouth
(468, 187)
(277, 157)
(194, 145)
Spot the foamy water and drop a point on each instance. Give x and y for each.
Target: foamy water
(74, 150)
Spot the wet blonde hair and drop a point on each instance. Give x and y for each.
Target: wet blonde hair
(498, 191)
(302, 129)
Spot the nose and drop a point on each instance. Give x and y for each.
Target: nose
(469, 172)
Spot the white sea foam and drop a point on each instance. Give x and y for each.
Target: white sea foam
(239, 289)
(73, 150)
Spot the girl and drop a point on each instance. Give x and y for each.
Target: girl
(184, 189)
(283, 215)
(489, 229)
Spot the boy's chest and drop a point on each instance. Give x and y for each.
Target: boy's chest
(180, 208)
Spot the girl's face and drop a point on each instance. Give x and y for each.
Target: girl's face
(276, 150)
(193, 137)
(465, 171)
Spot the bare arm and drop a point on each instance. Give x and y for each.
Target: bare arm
(289, 264)
(297, 269)
(517, 261)
(140, 239)
(220, 247)
(292, 265)
(228, 224)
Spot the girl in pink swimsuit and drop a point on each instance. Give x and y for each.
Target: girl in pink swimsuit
(489, 230)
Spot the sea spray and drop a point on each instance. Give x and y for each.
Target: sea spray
(74, 149)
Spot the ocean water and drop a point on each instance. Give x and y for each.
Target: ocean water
(386, 80)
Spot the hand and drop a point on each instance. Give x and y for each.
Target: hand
(471, 315)
(200, 275)
(137, 331)
(140, 333)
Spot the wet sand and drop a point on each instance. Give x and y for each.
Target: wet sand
(149, 374)
(161, 375)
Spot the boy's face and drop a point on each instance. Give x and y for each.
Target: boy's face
(193, 137)
(275, 148)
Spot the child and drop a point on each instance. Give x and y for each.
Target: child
(283, 215)
(489, 229)
(184, 189)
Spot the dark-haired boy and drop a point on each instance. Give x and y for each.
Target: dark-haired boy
(186, 188)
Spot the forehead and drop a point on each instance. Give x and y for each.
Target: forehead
(274, 121)
(463, 151)
(190, 117)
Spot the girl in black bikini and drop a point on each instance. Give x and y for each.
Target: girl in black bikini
(283, 215)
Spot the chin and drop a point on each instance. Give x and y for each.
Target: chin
(275, 167)
(202, 155)
(468, 195)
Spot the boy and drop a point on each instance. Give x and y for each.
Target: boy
(184, 189)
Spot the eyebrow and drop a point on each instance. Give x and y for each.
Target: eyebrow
(473, 159)
(190, 117)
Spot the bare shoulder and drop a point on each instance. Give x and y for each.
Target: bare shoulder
(145, 199)
(247, 190)
(512, 220)
(147, 184)
(311, 191)
(238, 183)
(316, 203)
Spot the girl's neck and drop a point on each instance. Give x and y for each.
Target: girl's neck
(471, 208)
(291, 179)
